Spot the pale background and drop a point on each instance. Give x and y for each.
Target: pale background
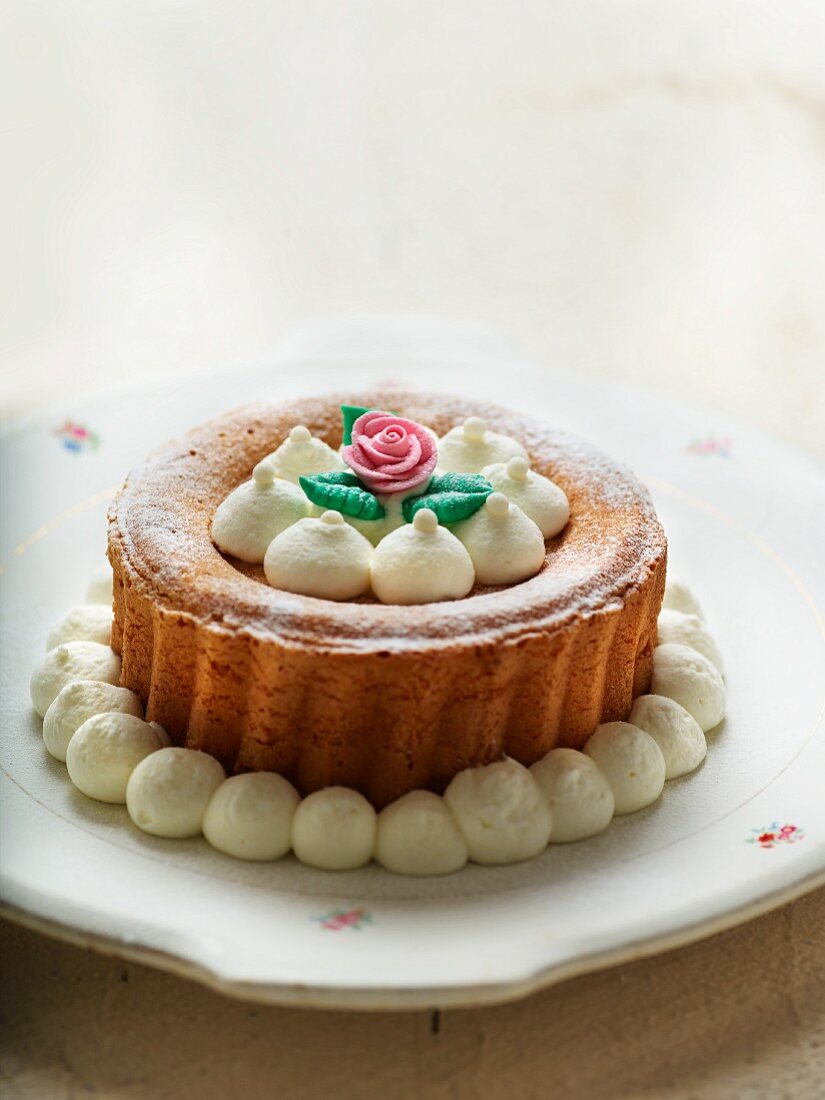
(630, 189)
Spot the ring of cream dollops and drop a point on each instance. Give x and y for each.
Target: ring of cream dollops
(497, 814)
(269, 520)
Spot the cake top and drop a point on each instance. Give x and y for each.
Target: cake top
(428, 505)
(164, 519)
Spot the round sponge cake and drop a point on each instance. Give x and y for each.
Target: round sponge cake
(384, 699)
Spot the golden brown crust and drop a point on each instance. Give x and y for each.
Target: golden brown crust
(380, 698)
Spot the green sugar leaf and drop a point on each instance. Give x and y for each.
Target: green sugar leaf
(342, 492)
(351, 414)
(452, 497)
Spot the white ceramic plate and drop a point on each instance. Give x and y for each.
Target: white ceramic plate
(745, 520)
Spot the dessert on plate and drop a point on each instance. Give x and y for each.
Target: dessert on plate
(408, 626)
(326, 685)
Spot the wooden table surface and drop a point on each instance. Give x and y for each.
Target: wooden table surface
(740, 1015)
(634, 191)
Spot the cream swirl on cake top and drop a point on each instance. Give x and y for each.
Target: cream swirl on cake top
(539, 498)
(256, 512)
(389, 471)
(469, 447)
(303, 453)
(505, 546)
(320, 557)
(421, 562)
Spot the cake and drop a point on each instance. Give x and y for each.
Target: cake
(416, 630)
(381, 697)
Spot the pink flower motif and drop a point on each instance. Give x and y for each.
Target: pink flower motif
(773, 835)
(390, 454)
(339, 919)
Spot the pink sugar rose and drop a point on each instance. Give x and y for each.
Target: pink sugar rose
(390, 454)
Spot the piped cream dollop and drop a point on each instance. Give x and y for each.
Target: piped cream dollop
(539, 498)
(169, 791)
(163, 736)
(500, 811)
(88, 622)
(250, 816)
(632, 763)
(79, 701)
(469, 447)
(257, 512)
(421, 562)
(683, 629)
(680, 597)
(505, 546)
(302, 453)
(105, 751)
(688, 677)
(334, 829)
(580, 798)
(100, 587)
(68, 662)
(676, 732)
(418, 836)
(320, 557)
